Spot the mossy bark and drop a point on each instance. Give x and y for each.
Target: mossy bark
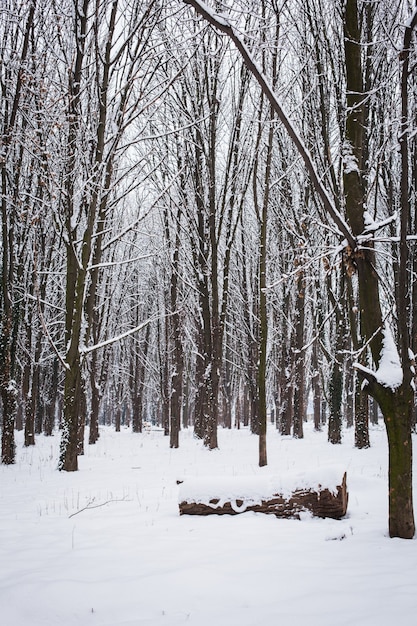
(396, 404)
(397, 409)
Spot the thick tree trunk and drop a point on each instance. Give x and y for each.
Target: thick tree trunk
(68, 458)
(9, 404)
(397, 408)
(335, 404)
(82, 411)
(395, 403)
(137, 408)
(75, 275)
(8, 447)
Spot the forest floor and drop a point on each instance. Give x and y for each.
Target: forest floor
(106, 546)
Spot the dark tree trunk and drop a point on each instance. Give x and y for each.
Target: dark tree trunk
(361, 416)
(8, 390)
(68, 458)
(395, 403)
(178, 357)
(335, 404)
(82, 416)
(397, 408)
(51, 400)
(95, 404)
(287, 408)
(350, 396)
(30, 422)
(316, 388)
(8, 448)
(374, 412)
(299, 359)
(336, 387)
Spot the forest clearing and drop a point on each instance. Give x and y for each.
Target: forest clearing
(106, 546)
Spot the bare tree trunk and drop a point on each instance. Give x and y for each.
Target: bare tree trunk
(76, 275)
(299, 359)
(95, 401)
(11, 105)
(350, 395)
(8, 392)
(396, 402)
(361, 416)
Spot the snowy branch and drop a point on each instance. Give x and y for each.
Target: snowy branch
(221, 23)
(90, 505)
(389, 373)
(128, 333)
(132, 225)
(108, 342)
(371, 227)
(45, 329)
(117, 263)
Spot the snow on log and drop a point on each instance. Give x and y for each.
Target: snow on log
(322, 497)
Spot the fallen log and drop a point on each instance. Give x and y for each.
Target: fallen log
(212, 496)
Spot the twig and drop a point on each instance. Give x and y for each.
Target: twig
(96, 506)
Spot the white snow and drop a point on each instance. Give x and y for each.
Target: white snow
(350, 162)
(389, 372)
(368, 221)
(411, 21)
(253, 489)
(106, 546)
(221, 18)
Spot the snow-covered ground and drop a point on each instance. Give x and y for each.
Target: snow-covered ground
(105, 546)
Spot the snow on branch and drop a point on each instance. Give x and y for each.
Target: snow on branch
(221, 23)
(371, 227)
(128, 333)
(389, 373)
(108, 342)
(412, 22)
(105, 264)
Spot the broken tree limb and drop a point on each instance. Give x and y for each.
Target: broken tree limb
(319, 500)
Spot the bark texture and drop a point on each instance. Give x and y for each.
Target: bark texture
(319, 502)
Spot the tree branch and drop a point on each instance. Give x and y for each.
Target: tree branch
(221, 23)
(90, 505)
